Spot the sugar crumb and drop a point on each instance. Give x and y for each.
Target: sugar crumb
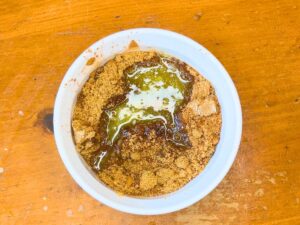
(69, 212)
(197, 16)
(80, 208)
(148, 180)
(90, 61)
(181, 162)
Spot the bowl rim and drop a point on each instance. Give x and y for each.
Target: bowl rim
(171, 208)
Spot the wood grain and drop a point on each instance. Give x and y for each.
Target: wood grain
(257, 41)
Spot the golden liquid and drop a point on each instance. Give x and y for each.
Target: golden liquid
(156, 91)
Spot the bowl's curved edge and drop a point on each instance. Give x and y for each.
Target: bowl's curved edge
(170, 209)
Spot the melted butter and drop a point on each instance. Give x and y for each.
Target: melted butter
(155, 92)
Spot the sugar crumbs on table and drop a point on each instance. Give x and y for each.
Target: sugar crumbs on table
(69, 213)
(80, 208)
(197, 16)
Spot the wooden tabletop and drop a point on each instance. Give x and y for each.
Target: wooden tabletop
(257, 41)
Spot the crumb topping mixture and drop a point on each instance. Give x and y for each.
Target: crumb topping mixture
(158, 118)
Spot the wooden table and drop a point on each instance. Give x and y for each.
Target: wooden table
(257, 41)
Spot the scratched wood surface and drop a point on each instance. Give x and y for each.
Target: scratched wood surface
(257, 41)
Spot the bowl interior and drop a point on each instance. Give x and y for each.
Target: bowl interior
(184, 49)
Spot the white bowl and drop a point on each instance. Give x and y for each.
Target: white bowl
(184, 49)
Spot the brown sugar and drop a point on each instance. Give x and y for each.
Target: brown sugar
(90, 61)
(148, 180)
(133, 45)
(146, 165)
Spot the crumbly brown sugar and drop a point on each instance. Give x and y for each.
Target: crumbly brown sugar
(147, 166)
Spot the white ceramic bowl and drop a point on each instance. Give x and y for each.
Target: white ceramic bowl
(184, 49)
